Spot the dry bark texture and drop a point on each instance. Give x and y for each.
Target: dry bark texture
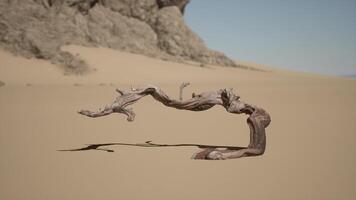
(258, 118)
(38, 28)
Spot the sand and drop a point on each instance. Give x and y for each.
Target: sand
(311, 142)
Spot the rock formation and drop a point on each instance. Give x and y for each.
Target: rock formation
(38, 28)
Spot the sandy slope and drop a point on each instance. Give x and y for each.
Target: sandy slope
(311, 140)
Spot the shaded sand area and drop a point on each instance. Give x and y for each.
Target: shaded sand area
(311, 142)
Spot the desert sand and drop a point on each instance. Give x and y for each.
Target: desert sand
(311, 142)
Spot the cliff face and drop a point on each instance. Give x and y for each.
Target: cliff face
(38, 28)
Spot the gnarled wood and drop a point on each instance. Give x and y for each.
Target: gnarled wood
(258, 118)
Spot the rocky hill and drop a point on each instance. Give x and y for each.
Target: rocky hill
(38, 28)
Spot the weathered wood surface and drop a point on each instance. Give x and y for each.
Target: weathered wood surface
(257, 121)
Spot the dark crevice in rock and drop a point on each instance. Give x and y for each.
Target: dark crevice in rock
(181, 4)
(83, 6)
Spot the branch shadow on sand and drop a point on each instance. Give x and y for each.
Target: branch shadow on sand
(148, 144)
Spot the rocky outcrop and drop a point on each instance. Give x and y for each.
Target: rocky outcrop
(38, 28)
(175, 38)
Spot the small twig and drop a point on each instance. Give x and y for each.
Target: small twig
(182, 86)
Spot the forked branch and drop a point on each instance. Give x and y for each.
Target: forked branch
(258, 118)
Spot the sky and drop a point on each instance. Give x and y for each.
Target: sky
(316, 36)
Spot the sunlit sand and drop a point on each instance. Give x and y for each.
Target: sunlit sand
(311, 142)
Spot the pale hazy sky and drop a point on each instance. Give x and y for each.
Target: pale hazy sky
(305, 35)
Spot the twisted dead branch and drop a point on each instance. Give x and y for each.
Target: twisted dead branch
(257, 121)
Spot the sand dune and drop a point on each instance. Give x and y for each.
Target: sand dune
(311, 142)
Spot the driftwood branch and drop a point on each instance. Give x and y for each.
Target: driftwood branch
(258, 118)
